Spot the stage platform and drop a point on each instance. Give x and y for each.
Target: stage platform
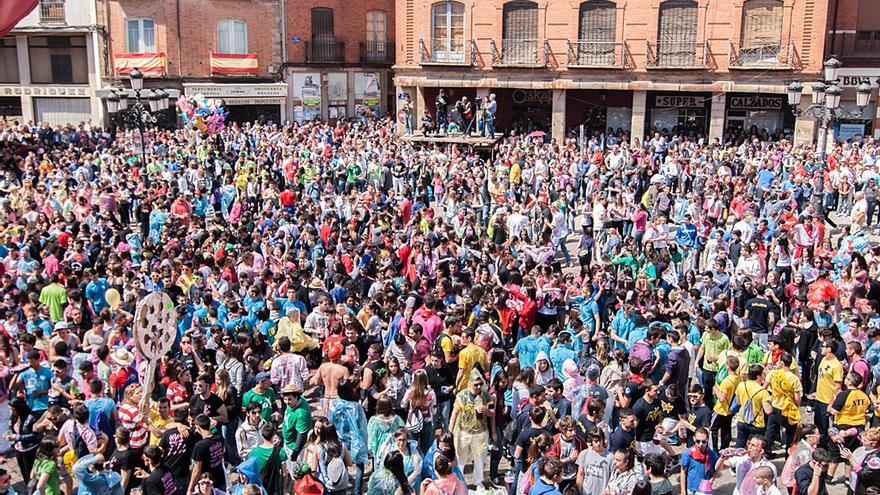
(473, 140)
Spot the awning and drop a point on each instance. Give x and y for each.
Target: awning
(226, 63)
(150, 64)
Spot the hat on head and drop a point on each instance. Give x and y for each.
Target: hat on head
(62, 325)
(476, 376)
(262, 376)
(335, 350)
(290, 388)
(122, 357)
(593, 372)
(316, 284)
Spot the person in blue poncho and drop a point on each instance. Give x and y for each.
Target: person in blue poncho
(350, 420)
(93, 479)
(248, 476)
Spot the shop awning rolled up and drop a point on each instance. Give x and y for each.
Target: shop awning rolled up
(227, 63)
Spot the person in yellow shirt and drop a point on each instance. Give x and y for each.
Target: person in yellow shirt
(160, 417)
(469, 357)
(722, 419)
(850, 408)
(828, 384)
(754, 406)
(786, 390)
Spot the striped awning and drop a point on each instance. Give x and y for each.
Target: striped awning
(150, 64)
(227, 63)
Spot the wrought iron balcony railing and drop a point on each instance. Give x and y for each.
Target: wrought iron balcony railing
(765, 56)
(325, 52)
(597, 54)
(677, 55)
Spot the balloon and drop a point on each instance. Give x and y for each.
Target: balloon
(113, 299)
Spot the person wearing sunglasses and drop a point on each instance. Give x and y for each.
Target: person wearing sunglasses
(697, 462)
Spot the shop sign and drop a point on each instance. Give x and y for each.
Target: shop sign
(851, 77)
(254, 101)
(667, 101)
(237, 90)
(531, 96)
(42, 91)
(756, 102)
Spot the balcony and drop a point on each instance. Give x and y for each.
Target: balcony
(679, 55)
(771, 56)
(858, 45)
(518, 53)
(596, 55)
(52, 12)
(376, 53)
(325, 52)
(447, 51)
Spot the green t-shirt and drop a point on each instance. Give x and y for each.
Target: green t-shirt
(43, 466)
(712, 346)
(54, 296)
(262, 455)
(297, 420)
(267, 400)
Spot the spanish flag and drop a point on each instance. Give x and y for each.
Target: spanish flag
(227, 63)
(150, 64)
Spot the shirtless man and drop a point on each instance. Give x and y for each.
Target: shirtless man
(329, 375)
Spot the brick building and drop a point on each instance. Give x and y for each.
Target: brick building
(706, 66)
(268, 59)
(49, 65)
(854, 38)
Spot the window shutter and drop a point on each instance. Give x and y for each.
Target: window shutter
(677, 39)
(520, 27)
(762, 23)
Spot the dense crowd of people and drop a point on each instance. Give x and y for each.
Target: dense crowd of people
(357, 313)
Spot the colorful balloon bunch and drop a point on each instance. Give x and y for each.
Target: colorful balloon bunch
(205, 115)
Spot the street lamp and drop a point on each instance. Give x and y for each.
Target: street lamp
(825, 107)
(142, 112)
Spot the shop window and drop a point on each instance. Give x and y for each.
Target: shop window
(58, 59)
(520, 33)
(677, 35)
(761, 31)
(140, 36)
(232, 37)
(597, 33)
(447, 32)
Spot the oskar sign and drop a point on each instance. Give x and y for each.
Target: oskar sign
(755, 102)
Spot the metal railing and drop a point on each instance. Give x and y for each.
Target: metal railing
(766, 56)
(861, 44)
(516, 52)
(597, 54)
(376, 52)
(677, 55)
(446, 51)
(52, 12)
(325, 51)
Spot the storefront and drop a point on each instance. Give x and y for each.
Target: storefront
(756, 113)
(264, 103)
(57, 105)
(336, 94)
(523, 110)
(598, 110)
(867, 125)
(679, 112)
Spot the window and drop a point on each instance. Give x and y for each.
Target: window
(232, 37)
(677, 36)
(761, 31)
(323, 40)
(58, 59)
(447, 32)
(8, 60)
(597, 33)
(520, 33)
(140, 36)
(376, 26)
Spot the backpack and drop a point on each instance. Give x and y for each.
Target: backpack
(337, 475)
(271, 472)
(79, 445)
(102, 424)
(415, 422)
(643, 351)
(437, 347)
(747, 410)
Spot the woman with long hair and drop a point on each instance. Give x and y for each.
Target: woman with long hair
(230, 396)
(391, 478)
(46, 475)
(623, 473)
(310, 453)
(381, 427)
(22, 435)
(446, 482)
(539, 447)
(420, 397)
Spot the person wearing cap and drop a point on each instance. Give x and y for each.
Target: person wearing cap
(297, 422)
(469, 423)
(262, 393)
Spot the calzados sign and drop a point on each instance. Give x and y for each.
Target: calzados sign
(755, 102)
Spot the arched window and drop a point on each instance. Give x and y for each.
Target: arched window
(597, 33)
(520, 33)
(232, 37)
(677, 34)
(447, 32)
(761, 39)
(323, 41)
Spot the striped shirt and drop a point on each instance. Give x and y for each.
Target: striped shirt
(130, 418)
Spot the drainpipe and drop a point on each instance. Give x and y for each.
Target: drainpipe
(179, 41)
(283, 7)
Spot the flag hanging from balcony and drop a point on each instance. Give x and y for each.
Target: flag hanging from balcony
(150, 64)
(227, 63)
(11, 12)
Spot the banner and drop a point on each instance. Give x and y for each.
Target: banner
(367, 89)
(337, 87)
(226, 63)
(306, 96)
(150, 64)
